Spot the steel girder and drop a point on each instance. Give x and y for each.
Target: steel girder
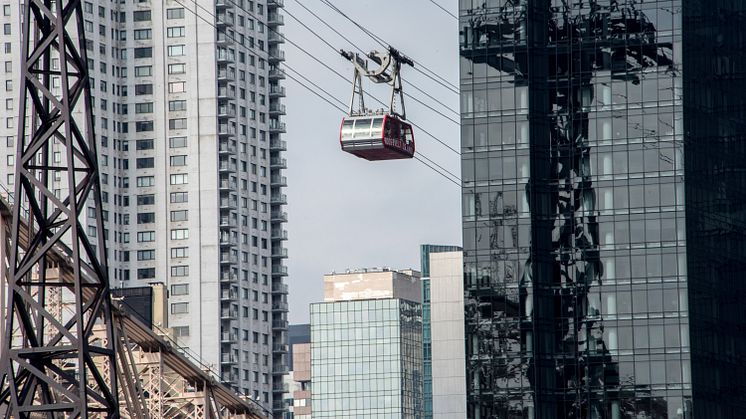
(52, 363)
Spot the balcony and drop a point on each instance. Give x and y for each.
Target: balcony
(227, 222)
(228, 278)
(228, 314)
(276, 74)
(223, 4)
(279, 234)
(278, 199)
(275, 3)
(226, 240)
(225, 166)
(279, 288)
(225, 74)
(279, 368)
(228, 295)
(276, 91)
(275, 19)
(227, 337)
(276, 109)
(225, 56)
(222, 19)
(279, 324)
(225, 258)
(280, 252)
(228, 359)
(278, 162)
(223, 39)
(228, 203)
(228, 378)
(226, 129)
(226, 148)
(226, 112)
(280, 306)
(225, 93)
(280, 387)
(279, 270)
(280, 348)
(278, 216)
(278, 145)
(274, 38)
(227, 185)
(275, 56)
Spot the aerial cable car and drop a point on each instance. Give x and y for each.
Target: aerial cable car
(377, 134)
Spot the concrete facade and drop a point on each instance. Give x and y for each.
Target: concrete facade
(372, 284)
(188, 129)
(447, 328)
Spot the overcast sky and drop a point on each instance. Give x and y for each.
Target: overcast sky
(345, 212)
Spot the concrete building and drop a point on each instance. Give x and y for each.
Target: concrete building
(366, 346)
(298, 380)
(425, 251)
(188, 126)
(446, 271)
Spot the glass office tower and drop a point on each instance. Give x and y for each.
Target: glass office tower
(603, 176)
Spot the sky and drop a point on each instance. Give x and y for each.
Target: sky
(345, 212)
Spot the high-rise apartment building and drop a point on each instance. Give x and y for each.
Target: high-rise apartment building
(427, 350)
(186, 98)
(603, 160)
(366, 346)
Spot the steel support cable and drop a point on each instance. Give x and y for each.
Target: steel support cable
(444, 9)
(340, 75)
(326, 65)
(340, 108)
(419, 66)
(325, 23)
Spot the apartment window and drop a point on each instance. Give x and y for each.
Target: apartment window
(179, 289)
(176, 68)
(179, 179)
(143, 52)
(179, 308)
(175, 32)
(177, 142)
(179, 197)
(180, 270)
(145, 236)
(175, 50)
(181, 331)
(146, 273)
(145, 217)
(145, 181)
(179, 252)
(180, 215)
(146, 144)
(146, 107)
(148, 199)
(143, 71)
(177, 13)
(177, 105)
(179, 234)
(145, 255)
(177, 87)
(143, 34)
(143, 89)
(141, 15)
(177, 123)
(145, 163)
(177, 160)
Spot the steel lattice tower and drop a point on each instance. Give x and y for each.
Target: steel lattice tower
(52, 364)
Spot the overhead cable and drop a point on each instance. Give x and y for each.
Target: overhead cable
(340, 108)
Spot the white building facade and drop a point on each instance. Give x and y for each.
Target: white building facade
(187, 107)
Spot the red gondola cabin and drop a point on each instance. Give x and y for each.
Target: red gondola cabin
(377, 137)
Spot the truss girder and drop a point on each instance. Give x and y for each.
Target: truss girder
(53, 364)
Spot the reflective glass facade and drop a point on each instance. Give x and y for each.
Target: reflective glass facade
(594, 287)
(366, 359)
